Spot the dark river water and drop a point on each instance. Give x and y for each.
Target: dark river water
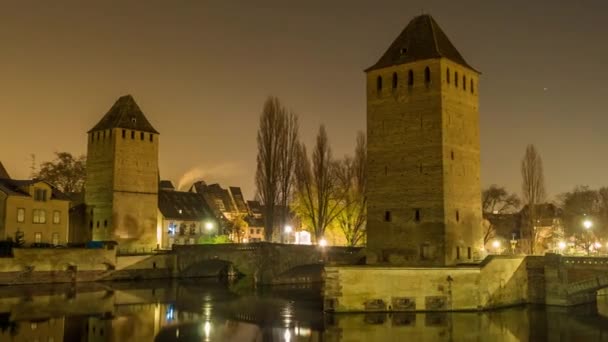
(204, 310)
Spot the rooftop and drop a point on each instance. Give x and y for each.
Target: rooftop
(421, 39)
(125, 113)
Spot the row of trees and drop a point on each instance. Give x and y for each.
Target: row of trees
(322, 191)
(573, 207)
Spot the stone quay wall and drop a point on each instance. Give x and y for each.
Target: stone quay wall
(497, 282)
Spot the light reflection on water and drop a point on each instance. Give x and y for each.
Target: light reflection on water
(203, 310)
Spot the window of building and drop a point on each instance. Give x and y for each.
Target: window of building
(403, 51)
(452, 155)
(91, 224)
(387, 216)
(424, 251)
(395, 80)
(56, 217)
(39, 216)
(457, 215)
(132, 134)
(472, 87)
(141, 135)
(259, 230)
(464, 82)
(410, 78)
(427, 75)
(151, 137)
(20, 215)
(417, 215)
(447, 75)
(457, 252)
(124, 133)
(379, 84)
(40, 195)
(133, 120)
(469, 252)
(97, 224)
(456, 78)
(251, 231)
(38, 237)
(55, 239)
(105, 223)
(110, 133)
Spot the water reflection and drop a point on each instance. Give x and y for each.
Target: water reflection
(203, 310)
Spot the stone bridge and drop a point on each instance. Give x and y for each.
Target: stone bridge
(267, 263)
(574, 280)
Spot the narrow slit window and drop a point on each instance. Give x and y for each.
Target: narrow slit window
(472, 87)
(427, 75)
(447, 75)
(457, 216)
(395, 80)
(456, 78)
(457, 252)
(417, 215)
(132, 134)
(410, 78)
(124, 133)
(469, 252)
(151, 137)
(464, 82)
(379, 84)
(387, 216)
(141, 136)
(452, 155)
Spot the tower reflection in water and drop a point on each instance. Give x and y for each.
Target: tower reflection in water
(201, 310)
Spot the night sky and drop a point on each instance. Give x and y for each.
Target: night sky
(200, 71)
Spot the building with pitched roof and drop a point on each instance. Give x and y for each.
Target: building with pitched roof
(424, 207)
(3, 172)
(184, 218)
(121, 189)
(35, 210)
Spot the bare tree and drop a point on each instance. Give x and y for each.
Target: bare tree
(66, 172)
(268, 161)
(353, 179)
(533, 189)
(288, 144)
(319, 197)
(495, 201)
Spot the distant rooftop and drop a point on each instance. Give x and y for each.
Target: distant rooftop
(421, 39)
(3, 172)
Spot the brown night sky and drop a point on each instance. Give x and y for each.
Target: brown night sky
(201, 70)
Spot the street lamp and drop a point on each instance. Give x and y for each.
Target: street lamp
(561, 245)
(287, 230)
(209, 225)
(322, 242)
(496, 245)
(587, 224)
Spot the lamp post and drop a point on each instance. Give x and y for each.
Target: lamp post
(496, 246)
(587, 224)
(513, 244)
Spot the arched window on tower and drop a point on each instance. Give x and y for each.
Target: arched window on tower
(472, 87)
(464, 82)
(427, 75)
(410, 78)
(379, 84)
(395, 80)
(447, 75)
(456, 78)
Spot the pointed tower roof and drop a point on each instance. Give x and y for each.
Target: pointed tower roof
(125, 113)
(3, 172)
(421, 39)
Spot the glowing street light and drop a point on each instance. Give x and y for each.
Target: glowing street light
(561, 245)
(322, 242)
(288, 229)
(587, 224)
(496, 244)
(209, 225)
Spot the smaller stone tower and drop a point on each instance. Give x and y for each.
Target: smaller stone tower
(121, 189)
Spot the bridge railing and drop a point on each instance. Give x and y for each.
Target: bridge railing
(588, 260)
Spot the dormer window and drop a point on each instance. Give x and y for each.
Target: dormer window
(133, 120)
(403, 51)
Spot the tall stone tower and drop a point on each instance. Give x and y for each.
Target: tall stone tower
(424, 204)
(121, 189)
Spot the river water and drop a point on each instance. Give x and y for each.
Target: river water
(205, 310)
